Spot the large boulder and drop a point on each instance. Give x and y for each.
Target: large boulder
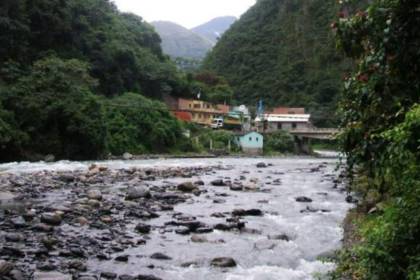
(223, 262)
(187, 187)
(136, 193)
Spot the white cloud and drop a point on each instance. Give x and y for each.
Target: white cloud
(188, 13)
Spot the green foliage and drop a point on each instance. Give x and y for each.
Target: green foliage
(381, 121)
(55, 108)
(283, 52)
(138, 125)
(279, 142)
(220, 139)
(123, 50)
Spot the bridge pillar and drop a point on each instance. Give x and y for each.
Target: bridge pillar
(303, 145)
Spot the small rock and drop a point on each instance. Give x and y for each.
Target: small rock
(5, 268)
(198, 239)
(261, 165)
(250, 212)
(123, 258)
(147, 277)
(143, 228)
(108, 275)
(218, 183)
(94, 194)
(127, 156)
(136, 193)
(52, 219)
(223, 262)
(160, 256)
(303, 199)
(187, 187)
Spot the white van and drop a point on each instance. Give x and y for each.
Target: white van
(217, 123)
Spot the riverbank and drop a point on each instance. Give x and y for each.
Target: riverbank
(239, 218)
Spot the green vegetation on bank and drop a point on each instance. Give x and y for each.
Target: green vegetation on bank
(381, 121)
(283, 52)
(65, 69)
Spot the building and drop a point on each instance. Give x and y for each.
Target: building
(283, 118)
(250, 142)
(196, 111)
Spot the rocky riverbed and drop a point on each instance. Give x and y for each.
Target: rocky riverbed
(170, 219)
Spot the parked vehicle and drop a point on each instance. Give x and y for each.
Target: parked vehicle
(217, 123)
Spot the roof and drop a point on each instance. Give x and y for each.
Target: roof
(285, 118)
(286, 110)
(242, 133)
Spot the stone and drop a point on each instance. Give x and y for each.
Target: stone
(122, 258)
(147, 277)
(223, 262)
(136, 193)
(143, 228)
(51, 276)
(126, 277)
(218, 183)
(236, 188)
(160, 256)
(261, 165)
(13, 237)
(94, 194)
(42, 227)
(5, 268)
(250, 212)
(108, 275)
(52, 219)
(182, 230)
(127, 156)
(18, 222)
(303, 199)
(186, 187)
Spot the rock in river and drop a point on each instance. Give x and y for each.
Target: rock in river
(186, 187)
(250, 212)
(136, 193)
(223, 262)
(143, 228)
(52, 219)
(160, 256)
(5, 268)
(218, 183)
(51, 276)
(261, 165)
(94, 194)
(303, 199)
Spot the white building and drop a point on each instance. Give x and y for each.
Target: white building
(274, 122)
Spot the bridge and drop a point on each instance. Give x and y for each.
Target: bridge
(315, 133)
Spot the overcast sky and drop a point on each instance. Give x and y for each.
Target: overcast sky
(188, 13)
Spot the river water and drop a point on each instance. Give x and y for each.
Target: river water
(313, 229)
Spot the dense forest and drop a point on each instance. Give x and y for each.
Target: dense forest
(64, 66)
(381, 132)
(283, 52)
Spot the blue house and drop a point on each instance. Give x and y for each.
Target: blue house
(251, 142)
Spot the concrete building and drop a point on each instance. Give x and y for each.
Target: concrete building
(196, 111)
(251, 142)
(283, 118)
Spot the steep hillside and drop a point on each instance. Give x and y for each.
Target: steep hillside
(178, 41)
(283, 51)
(60, 61)
(215, 28)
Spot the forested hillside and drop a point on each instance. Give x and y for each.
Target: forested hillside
(60, 61)
(178, 41)
(283, 51)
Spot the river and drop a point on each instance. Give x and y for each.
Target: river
(284, 239)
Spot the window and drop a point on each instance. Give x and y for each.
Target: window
(256, 139)
(294, 125)
(197, 106)
(250, 138)
(279, 126)
(189, 105)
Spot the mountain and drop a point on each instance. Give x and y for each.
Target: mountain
(178, 41)
(284, 53)
(215, 28)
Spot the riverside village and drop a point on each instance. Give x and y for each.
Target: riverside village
(209, 140)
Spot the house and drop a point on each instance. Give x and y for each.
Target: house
(250, 142)
(283, 118)
(196, 111)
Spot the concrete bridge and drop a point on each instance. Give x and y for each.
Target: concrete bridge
(315, 133)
